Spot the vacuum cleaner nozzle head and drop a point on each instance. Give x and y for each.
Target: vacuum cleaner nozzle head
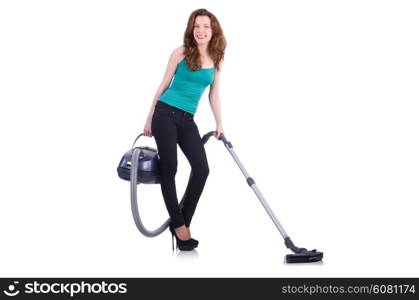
(305, 256)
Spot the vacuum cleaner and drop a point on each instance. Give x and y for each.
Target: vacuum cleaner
(142, 165)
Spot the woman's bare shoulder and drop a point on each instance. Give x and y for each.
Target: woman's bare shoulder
(177, 54)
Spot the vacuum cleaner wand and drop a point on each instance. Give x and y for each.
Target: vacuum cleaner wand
(300, 254)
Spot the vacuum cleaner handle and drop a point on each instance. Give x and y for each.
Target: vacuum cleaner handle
(206, 137)
(226, 143)
(136, 140)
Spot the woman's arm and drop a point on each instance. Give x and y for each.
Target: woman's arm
(214, 98)
(170, 71)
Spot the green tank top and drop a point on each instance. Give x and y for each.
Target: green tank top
(187, 87)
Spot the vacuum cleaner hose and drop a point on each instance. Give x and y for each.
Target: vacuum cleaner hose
(134, 200)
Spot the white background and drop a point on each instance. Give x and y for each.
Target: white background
(319, 99)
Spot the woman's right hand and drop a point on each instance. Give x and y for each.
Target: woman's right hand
(147, 129)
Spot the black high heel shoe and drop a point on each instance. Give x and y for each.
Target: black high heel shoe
(184, 245)
(196, 242)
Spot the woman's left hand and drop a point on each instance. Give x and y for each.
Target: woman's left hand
(218, 131)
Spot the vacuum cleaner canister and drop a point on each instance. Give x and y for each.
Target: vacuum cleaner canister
(148, 166)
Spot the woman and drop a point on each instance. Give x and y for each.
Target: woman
(194, 65)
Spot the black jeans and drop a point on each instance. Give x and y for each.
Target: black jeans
(171, 126)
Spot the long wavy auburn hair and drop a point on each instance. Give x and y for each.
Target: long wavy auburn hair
(216, 45)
